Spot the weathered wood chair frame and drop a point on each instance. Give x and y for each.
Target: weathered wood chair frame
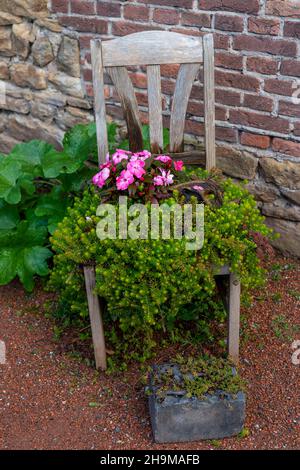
(152, 49)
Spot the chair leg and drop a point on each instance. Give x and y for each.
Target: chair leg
(234, 318)
(95, 318)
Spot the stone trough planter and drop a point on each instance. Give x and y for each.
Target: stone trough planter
(177, 417)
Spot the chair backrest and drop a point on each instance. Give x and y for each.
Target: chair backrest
(152, 49)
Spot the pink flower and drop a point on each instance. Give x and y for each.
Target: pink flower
(158, 180)
(164, 179)
(100, 178)
(142, 155)
(136, 168)
(105, 165)
(178, 165)
(198, 188)
(120, 155)
(163, 158)
(168, 178)
(124, 180)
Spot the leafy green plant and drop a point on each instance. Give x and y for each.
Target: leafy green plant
(282, 328)
(156, 290)
(37, 184)
(197, 376)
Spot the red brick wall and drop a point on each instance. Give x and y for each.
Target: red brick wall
(257, 60)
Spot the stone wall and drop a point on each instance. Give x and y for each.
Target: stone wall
(45, 68)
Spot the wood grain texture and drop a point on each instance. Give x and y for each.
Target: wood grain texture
(155, 108)
(234, 318)
(124, 87)
(209, 100)
(95, 318)
(186, 76)
(152, 48)
(99, 100)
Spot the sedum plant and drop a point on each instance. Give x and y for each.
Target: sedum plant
(156, 289)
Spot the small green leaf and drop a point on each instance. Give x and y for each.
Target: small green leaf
(14, 195)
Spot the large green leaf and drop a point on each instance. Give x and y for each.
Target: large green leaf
(52, 206)
(9, 174)
(81, 142)
(22, 254)
(9, 216)
(54, 163)
(30, 155)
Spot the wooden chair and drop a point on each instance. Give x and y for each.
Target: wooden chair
(152, 49)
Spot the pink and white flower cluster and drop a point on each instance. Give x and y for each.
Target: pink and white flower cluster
(131, 171)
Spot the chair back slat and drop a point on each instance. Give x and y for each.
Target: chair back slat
(124, 88)
(186, 76)
(155, 108)
(99, 100)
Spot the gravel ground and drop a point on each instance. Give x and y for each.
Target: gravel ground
(50, 400)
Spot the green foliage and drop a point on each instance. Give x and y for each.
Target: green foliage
(37, 184)
(23, 253)
(156, 289)
(198, 377)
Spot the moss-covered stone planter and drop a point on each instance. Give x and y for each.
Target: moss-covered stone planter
(178, 415)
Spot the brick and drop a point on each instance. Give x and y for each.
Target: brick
(283, 8)
(142, 98)
(255, 140)
(221, 41)
(166, 16)
(195, 108)
(136, 12)
(290, 67)
(170, 3)
(241, 6)
(139, 80)
(85, 24)
(259, 121)
(227, 134)
(229, 22)
(85, 42)
(108, 9)
(262, 65)
(289, 109)
(297, 128)
(122, 28)
(197, 92)
(261, 103)
(286, 146)
(279, 87)
(169, 70)
(87, 75)
(188, 32)
(236, 80)
(263, 25)
(194, 127)
(196, 19)
(167, 86)
(228, 97)
(264, 44)
(292, 29)
(60, 6)
(82, 7)
(228, 61)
